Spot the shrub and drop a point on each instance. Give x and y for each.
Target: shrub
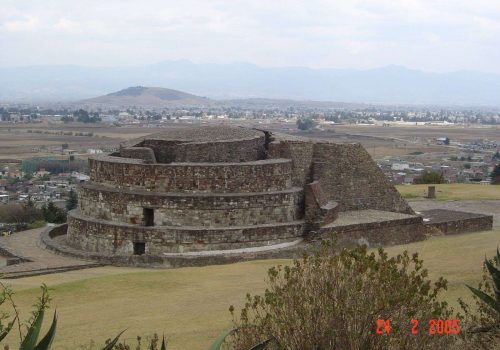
(430, 177)
(333, 301)
(305, 124)
(19, 213)
(37, 224)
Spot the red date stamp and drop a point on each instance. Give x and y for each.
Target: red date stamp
(434, 327)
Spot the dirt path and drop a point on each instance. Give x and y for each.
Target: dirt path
(26, 244)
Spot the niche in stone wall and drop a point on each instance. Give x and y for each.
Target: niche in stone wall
(148, 216)
(139, 248)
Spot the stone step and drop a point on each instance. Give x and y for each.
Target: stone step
(46, 271)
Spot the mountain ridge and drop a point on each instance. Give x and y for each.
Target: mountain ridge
(385, 85)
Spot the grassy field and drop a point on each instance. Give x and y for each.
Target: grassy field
(445, 192)
(191, 304)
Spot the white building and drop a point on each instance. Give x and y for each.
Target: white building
(400, 166)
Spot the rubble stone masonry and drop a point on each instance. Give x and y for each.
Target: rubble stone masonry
(223, 188)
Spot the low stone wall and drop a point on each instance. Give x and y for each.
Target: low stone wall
(452, 222)
(258, 176)
(108, 237)
(207, 210)
(10, 258)
(377, 234)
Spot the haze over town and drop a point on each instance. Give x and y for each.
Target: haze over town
(379, 51)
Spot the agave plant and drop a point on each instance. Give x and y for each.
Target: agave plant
(492, 301)
(30, 341)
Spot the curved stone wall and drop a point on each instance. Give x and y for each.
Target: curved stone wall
(205, 210)
(258, 176)
(94, 235)
(205, 143)
(223, 151)
(210, 188)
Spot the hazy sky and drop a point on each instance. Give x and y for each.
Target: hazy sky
(431, 35)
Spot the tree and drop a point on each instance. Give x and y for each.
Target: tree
(495, 175)
(83, 116)
(53, 214)
(67, 119)
(305, 124)
(430, 177)
(72, 201)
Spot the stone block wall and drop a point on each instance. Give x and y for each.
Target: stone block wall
(377, 234)
(164, 150)
(204, 210)
(114, 238)
(207, 190)
(301, 154)
(258, 176)
(241, 150)
(350, 176)
(144, 153)
(221, 151)
(319, 210)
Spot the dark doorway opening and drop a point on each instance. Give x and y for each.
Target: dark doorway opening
(139, 248)
(149, 216)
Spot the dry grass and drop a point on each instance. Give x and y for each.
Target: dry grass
(445, 192)
(191, 304)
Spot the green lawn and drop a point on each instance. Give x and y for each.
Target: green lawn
(446, 192)
(191, 304)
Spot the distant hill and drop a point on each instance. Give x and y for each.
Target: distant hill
(141, 96)
(387, 85)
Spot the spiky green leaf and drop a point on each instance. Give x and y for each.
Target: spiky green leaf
(29, 341)
(486, 298)
(113, 342)
(7, 329)
(163, 344)
(495, 275)
(46, 341)
(220, 340)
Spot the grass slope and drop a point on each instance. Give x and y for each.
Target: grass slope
(191, 304)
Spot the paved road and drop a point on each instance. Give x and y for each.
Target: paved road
(26, 244)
